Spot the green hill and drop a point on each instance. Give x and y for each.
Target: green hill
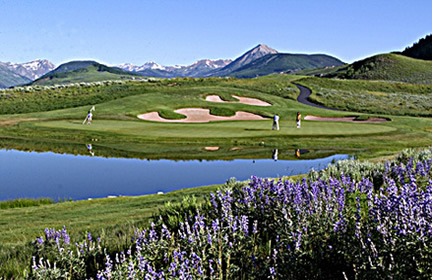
(420, 50)
(388, 67)
(83, 71)
(285, 63)
(9, 78)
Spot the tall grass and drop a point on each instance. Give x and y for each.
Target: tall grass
(25, 202)
(376, 97)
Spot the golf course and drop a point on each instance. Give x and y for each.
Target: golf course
(215, 140)
(117, 126)
(189, 119)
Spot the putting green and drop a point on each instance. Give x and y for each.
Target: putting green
(221, 129)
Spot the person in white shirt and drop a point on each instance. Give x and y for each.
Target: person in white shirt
(276, 122)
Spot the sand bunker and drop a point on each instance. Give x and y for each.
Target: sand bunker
(345, 119)
(211, 148)
(197, 115)
(243, 100)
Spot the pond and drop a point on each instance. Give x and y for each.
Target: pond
(77, 177)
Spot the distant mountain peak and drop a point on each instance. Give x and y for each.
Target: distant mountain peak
(197, 69)
(264, 49)
(32, 69)
(249, 56)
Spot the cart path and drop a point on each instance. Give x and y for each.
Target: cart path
(304, 95)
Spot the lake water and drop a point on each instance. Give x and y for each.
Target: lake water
(63, 176)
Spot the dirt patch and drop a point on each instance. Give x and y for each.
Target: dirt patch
(197, 115)
(12, 122)
(345, 119)
(243, 100)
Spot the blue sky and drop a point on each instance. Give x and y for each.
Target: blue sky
(181, 32)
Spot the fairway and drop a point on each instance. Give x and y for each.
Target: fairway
(221, 129)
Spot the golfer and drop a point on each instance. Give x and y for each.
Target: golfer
(276, 122)
(89, 117)
(298, 119)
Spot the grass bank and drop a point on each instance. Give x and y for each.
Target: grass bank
(113, 218)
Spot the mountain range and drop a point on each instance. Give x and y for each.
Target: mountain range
(258, 61)
(12, 74)
(411, 65)
(201, 68)
(197, 69)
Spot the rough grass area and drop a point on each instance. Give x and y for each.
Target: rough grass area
(389, 67)
(374, 97)
(24, 202)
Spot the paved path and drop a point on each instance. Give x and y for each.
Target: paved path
(304, 95)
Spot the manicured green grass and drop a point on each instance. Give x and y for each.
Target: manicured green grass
(222, 129)
(224, 112)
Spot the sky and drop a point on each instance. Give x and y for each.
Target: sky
(180, 32)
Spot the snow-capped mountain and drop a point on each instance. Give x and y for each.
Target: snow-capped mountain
(148, 65)
(201, 68)
(33, 69)
(197, 69)
(251, 55)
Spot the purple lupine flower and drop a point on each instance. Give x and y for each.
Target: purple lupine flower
(209, 238)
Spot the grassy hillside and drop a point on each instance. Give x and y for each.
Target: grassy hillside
(286, 63)
(321, 72)
(89, 71)
(389, 67)
(376, 97)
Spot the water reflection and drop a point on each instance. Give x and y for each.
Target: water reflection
(275, 154)
(90, 149)
(33, 175)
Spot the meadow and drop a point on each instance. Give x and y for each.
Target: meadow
(50, 119)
